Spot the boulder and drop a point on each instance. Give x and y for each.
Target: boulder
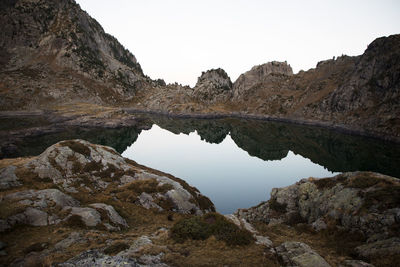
(381, 248)
(89, 216)
(299, 254)
(114, 217)
(8, 178)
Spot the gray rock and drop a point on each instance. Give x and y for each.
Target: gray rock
(73, 238)
(8, 178)
(114, 217)
(299, 254)
(41, 198)
(136, 246)
(257, 75)
(97, 259)
(212, 86)
(319, 225)
(385, 247)
(147, 201)
(2, 245)
(355, 263)
(263, 240)
(36, 217)
(89, 216)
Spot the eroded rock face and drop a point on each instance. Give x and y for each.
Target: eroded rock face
(259, 74)
(213, 86)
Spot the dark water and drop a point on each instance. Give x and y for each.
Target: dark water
(234, 162)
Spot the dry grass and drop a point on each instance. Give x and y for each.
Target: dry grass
(332, 244)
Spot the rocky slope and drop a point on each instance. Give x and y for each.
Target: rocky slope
(362, 204)
(54, 52)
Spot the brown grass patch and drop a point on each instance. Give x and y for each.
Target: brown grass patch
(116, 247)
(77, 147)
(332, 244)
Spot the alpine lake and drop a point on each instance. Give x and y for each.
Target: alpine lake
(235, 162)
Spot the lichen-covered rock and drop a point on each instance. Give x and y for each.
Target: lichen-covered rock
(114, 217)
(8, 178)
(360, 201)
(381, 248)
(99, 259)
(299, 254)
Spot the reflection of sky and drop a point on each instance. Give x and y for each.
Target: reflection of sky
(225, 173)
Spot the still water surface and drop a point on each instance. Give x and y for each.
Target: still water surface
(234, 162)
(225, 173)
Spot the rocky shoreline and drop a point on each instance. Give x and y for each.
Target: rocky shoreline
(78, 191)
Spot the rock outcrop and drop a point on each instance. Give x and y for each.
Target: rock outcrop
(213, 86)
(361, 202)
(79, 167)
(258, 75)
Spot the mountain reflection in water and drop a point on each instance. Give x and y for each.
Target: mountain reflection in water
(251, 157)
(281, 154)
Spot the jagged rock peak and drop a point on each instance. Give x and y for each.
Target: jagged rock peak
(259, 74)
(217, 77)
(273, 67)
(212, 86)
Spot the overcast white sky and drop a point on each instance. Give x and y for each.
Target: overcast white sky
(178, 39)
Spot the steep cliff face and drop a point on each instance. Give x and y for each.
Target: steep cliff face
(370, 96)
(259, 74)
(52, 51)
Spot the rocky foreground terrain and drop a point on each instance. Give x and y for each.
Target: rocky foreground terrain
(79, 203)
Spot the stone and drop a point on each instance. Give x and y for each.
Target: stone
(138, 244)
(299, 254)
(319, 225)
(263, 240)
(355, 263)
(36, 217)
(73, 238)
(147, 201)
(89, 216)
(213, 85)
(114, 217)
(386, 247)
(8, 178)
(258, 74)
(96, 258)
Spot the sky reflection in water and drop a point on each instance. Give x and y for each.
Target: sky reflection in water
(225, 173)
